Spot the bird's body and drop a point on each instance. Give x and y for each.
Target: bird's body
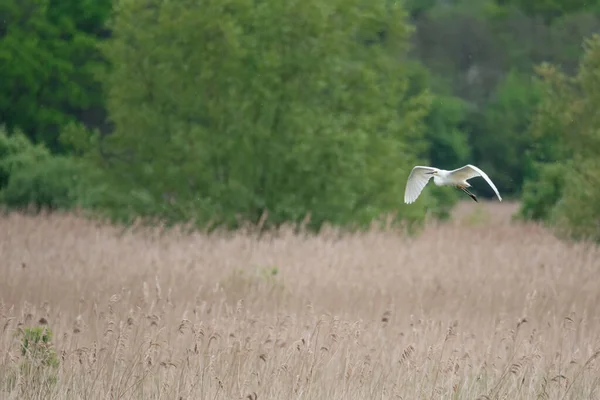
(420, 175)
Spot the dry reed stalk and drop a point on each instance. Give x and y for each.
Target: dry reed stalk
(480, 307)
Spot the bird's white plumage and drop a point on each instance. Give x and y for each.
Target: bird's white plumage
(470, 171)
(420, 176)
(416, 182)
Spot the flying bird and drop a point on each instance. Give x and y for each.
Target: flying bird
(419, 176)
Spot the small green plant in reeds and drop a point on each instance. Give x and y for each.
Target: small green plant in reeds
(39, 364)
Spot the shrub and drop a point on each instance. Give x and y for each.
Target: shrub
(32, 178)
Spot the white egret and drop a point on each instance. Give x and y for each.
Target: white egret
(419, 176)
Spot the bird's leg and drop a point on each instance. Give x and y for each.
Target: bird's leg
(464, 189)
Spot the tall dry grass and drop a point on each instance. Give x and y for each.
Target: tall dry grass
(476, 308)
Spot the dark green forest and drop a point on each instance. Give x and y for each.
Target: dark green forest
(222, 112)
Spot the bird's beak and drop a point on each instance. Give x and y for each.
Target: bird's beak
(430, 173)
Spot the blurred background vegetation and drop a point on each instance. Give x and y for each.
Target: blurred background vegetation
(220, 112)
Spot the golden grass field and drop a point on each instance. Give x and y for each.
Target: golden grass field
(479, 307)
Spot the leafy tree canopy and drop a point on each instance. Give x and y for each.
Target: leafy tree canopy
(549, 10)
(566, 187)
(48, 64)
(228, 109)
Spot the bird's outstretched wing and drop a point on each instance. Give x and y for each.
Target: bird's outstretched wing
(416, 182)
(470, 171)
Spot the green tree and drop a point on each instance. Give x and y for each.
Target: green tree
(484, 53)
(48, 64)
(449, 144)
(566, 124)
(447, 141)
(227, 109)
(503, 151)
(552, 9)
(32, 177)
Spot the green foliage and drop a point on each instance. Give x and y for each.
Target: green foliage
(458, 43)
(449, 143)
(36, 346)
(568, 120)
(16, 152)
(225, 111)
(39, 364)
(417, 7)
(542, 192)
(484, 53)
(52, 184)
(30, 176)
(552, 9)
(49, 64)
(502, 153)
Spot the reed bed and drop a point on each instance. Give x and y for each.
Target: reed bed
(479, 307)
